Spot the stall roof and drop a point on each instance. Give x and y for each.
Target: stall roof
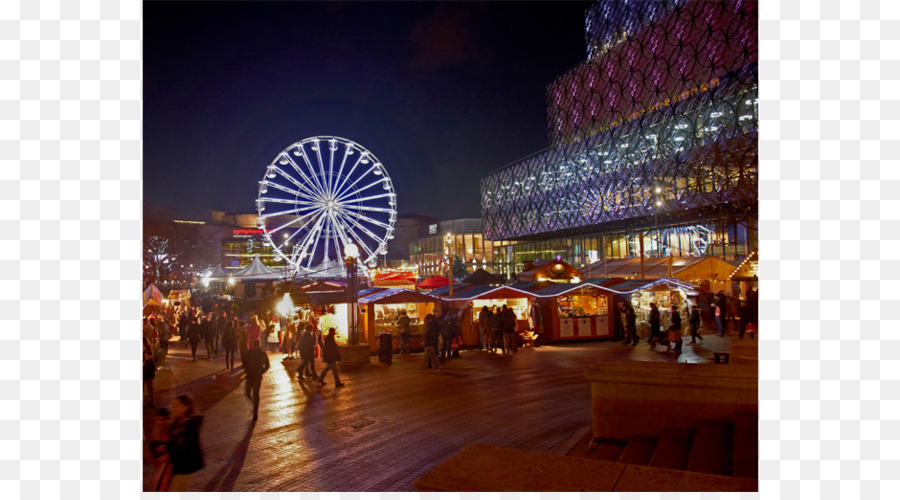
(218, 273)
(396, 296)
(703, 267)
(370, 291)
(445, 290)
(482, 277)
(327, 298)
(635, 285)
(485, 292)
(530, 286)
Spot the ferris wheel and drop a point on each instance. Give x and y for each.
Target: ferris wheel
(320, 194)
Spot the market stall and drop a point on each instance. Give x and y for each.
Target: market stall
(584, 310)
(663, 292)
(381, 310)
(469, 301)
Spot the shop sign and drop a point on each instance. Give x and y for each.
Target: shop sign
(753, 268)
(247, 233)
(432, 229)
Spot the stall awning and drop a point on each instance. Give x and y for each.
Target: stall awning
(631, 286)
(686, 268)
(327, 298)
(397, 296)
(259, 271)
(487, 292)
(218, 273)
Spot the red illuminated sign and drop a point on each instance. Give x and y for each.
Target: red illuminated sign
(247, 233)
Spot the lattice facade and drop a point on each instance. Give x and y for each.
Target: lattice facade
(667, 99)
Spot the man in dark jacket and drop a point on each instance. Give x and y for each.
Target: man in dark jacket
(721, 302)
(307, 348)
(631, 324)
(654, 325)
(256, 363)
(496, 330)
(432, 333)
(208, 331)
(509, 331)
(403, 329)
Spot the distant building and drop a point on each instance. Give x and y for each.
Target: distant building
(406, 230)
(653, 143)
(466, 239)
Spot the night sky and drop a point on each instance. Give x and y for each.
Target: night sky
(441, 93)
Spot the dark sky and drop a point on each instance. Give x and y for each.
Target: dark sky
(441, 93)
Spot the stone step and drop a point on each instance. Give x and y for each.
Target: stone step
(713, 449)
(674, 449)
(582, 447)
(639, 450)
(746, 445)
(608, 450)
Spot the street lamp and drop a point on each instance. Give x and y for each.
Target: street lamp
(351, 254)
(450, 261)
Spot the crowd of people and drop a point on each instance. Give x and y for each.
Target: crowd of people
(498, 329)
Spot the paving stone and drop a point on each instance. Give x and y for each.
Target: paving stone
(389, 424)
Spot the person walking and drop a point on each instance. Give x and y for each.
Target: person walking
(330, 356)
(254, 331)
(149, 373)
(654, 325)
(241, 339)
(631, 324)
(720, 313)
(229, 343)
(694, 322)
(403, 329)
(164, 335)
(221, 325)
(307, 354)
(448, 331)
(484, 323)
(509, 331)
(431, 341)
(287, 338)
(184, 448)
(496, 330)
(183, 322)
(256, 363)
(194, 335)
(676, 329)
(623, 313)
(208, 329)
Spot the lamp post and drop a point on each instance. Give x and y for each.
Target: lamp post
(656, 206)
(450, 262)
(351, 253)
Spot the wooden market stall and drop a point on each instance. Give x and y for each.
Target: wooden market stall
(469, 301)
(664, 292)
(584, 310)
(381, 310)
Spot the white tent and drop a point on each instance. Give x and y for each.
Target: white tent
(153, 293)
(218, 274)
(259, 271)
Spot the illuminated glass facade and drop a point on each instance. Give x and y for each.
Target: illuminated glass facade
(656, 132)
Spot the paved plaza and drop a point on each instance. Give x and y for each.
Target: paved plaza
(389, 424)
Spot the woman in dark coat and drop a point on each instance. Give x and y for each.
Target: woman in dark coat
(307, 350)
(654, 324)
(194, 335)
(229, 343)
(184, 447)
(149, 371)
(330, 356)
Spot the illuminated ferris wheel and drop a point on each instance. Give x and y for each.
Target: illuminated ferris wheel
(320, 194)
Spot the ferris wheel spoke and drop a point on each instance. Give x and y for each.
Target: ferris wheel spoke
(310, 219)
(332, 147)
(373, 197)
(322, 169)
(370, 209)
(360, 190)
(337, 235)
(374, 222)
(313, 183)
(304, 245)
(298, 219)
(290, 178)
(288, 190)
(287, 201)
(337, 180)
(312, 169)
(343, 193)
(350, 173)
(312, 238)
(349, 228)
(285, 212)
